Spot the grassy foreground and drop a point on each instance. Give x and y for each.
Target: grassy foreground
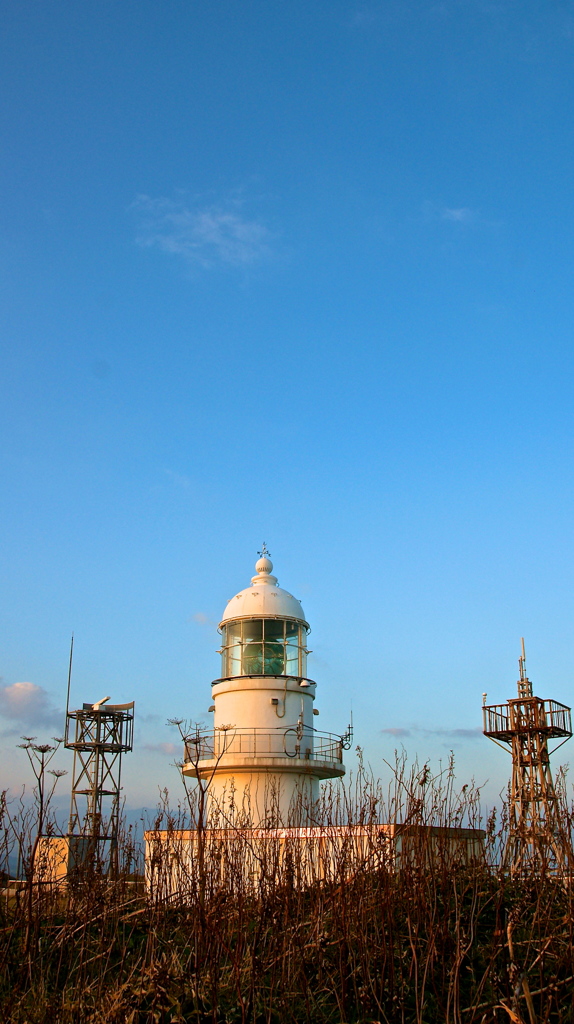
(432, 941)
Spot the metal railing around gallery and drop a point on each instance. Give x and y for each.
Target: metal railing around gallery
(293, 742)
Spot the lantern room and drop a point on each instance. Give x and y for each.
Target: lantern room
(263, 630)
(263, 647)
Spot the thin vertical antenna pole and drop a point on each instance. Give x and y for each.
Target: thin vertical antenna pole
(522, 660)
(69, 677)
(524, 684)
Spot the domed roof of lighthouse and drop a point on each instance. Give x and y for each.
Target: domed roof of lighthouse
(264, 599)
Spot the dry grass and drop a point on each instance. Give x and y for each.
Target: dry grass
(433, 939)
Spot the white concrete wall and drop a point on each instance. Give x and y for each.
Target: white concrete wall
(245, 702)
(263, 798)
(274, 795)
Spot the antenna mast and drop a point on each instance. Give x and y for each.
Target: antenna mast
(69, 676)
(524, 684)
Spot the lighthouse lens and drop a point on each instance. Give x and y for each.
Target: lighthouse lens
(263, 659)
(273, 659)
(253, 659)
(263, 647)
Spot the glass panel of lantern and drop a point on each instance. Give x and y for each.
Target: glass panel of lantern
(294, 663)
(252, 647)
(274, 647)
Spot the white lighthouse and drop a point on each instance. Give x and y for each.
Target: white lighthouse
(261, 763)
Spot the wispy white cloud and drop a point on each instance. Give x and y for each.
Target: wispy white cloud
(167, 749)
(364, 17)
(379, 12)
(27, 705)
(178, 478)
(453, 734)
(463, 215)
(207, 235)
(460, 734)
(203, 620)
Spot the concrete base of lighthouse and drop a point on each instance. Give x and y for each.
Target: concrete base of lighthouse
(180, 863)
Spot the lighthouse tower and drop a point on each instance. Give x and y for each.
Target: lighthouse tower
(261, 763)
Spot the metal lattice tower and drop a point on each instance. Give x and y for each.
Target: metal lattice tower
(98, 735)
(537, 834)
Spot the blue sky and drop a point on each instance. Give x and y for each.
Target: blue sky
(299, 273)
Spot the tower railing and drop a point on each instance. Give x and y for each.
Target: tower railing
(293, 742)
(503, 721)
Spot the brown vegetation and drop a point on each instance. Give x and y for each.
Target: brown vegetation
(432, 938)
